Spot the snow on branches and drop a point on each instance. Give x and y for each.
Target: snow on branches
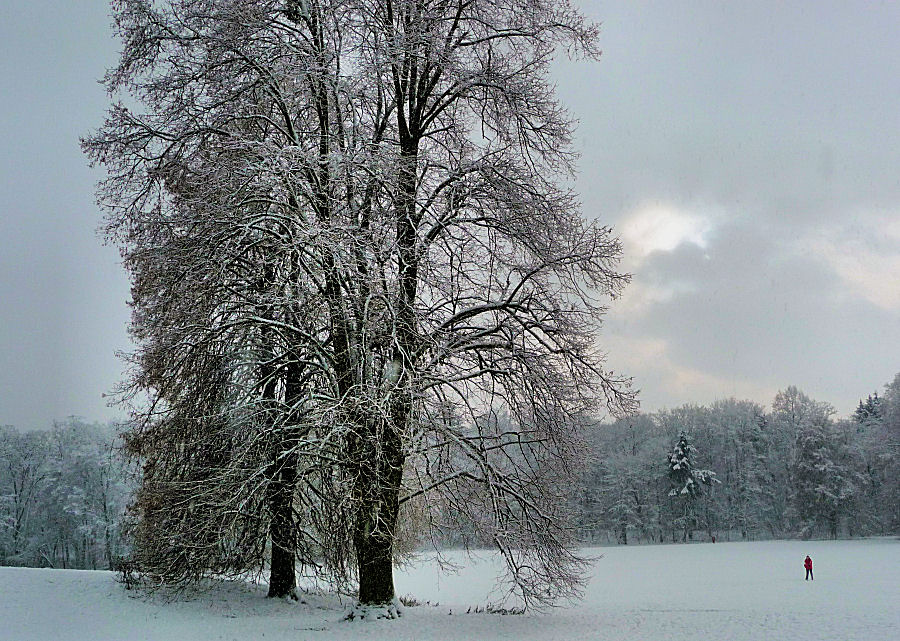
(351, 254)
(686, 480)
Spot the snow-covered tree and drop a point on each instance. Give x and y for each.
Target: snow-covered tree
(868, 411)
(24, 461)
(62, 496)
(738, 440)
(770, 487)
(790, 408)
(877, 444)
(357, 281)
(686, 482)
(624, 480)
(890, 495)
(824, 479)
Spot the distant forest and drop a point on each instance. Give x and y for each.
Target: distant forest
(732, 470)
(63, 494)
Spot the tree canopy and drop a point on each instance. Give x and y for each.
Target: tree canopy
(358, 282)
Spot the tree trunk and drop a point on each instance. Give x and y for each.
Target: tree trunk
(380, 457)
(282, 471)
(374, 555)
(283, 528)
(282, 487)
(378, 504)
(282, 571)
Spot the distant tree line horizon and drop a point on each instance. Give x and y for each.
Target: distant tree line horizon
(744, 473)
(731, 469)
(63, 495)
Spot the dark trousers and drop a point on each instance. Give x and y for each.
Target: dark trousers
(809, 574)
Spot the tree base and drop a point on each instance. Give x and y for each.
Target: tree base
(369, 611)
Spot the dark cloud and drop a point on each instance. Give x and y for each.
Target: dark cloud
(750, 307)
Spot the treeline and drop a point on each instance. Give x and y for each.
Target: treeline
(734, 470)
(63, 493)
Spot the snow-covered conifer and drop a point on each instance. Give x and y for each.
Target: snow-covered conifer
(686, 481)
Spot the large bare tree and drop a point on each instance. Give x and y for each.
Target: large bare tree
(359, 281)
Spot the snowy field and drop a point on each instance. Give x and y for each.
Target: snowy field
(721, 592)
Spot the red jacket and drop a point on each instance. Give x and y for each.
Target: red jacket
(808, 563)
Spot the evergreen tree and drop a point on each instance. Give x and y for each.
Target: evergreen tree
(870, 411)
(686, 483)
(686, 480)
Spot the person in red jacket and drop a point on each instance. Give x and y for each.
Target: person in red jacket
(808, 565)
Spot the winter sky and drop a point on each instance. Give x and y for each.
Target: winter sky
(748, 154)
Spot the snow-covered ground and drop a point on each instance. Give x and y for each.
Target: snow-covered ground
(726, 591)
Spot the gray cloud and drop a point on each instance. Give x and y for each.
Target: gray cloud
(778, 126)
(768, 136)
(781, 111)
(750, 308)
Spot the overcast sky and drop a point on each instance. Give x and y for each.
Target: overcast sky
(748, 154)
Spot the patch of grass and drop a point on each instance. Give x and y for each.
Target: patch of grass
(490, 608)
(412, 602)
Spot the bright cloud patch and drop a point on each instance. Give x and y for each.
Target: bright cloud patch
(662, 228)
(866, 256)
(673, 383)
(657, 229)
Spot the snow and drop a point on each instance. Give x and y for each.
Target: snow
(734, 591)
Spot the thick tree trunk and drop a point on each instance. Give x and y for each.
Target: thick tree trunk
(378, 454)
(282, 485)
(375, 558)
(282, 571)
(281, 490)
(378, 505)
